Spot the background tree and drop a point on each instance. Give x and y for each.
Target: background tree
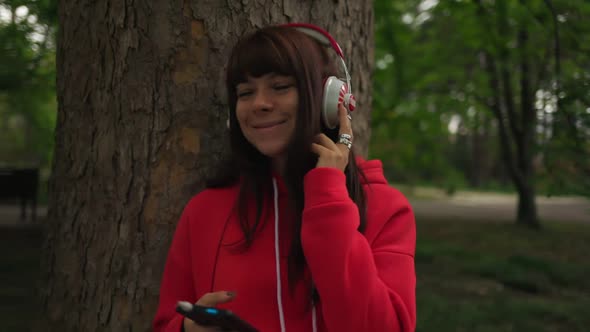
(482, 97)
(140, 124)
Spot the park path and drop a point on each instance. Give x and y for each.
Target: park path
(434, 205)
(500, 207)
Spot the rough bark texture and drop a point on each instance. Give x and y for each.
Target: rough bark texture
(141, 122)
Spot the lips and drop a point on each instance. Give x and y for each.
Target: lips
(268, 124)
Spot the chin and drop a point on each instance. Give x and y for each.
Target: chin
(271, 151)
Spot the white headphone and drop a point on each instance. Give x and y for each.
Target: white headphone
(336, 91)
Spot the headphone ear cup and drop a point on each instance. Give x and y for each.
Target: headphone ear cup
(335, 91)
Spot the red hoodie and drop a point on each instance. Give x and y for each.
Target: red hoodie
(366, 282)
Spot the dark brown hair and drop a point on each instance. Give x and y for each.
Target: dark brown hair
(285, 51)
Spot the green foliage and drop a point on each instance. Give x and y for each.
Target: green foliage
(430, 77)
(27, 82)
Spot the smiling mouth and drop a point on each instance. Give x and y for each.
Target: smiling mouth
(269, 124)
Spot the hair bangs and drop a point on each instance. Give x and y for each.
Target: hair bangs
(258, 55)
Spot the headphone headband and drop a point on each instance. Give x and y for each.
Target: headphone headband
(324, 38)
(318, 34)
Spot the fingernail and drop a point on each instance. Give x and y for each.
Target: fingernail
(231, 294)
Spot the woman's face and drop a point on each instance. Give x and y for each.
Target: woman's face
(266, 110)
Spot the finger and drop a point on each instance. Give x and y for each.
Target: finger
(319, 149)
(344, 149)
(345, 124)
(215, 298)
(345, 128)
(326, 142)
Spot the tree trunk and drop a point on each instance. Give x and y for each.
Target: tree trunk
(516, 130)
(479, 173)
(141, 123)
(527, 208)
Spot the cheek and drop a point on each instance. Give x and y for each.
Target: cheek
(241, 115)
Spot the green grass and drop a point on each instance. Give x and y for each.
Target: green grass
(478, 276)
(472, 276)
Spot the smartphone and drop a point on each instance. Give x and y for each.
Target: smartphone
(213, 317)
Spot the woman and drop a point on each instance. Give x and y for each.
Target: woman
(299, 234)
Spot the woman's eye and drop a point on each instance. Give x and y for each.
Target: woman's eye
(282, 86)
(244, 93)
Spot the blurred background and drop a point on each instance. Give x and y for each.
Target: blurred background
(481, 116)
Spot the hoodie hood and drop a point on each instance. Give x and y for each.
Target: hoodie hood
(373, 171)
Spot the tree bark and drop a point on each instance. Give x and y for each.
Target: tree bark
(141, 123)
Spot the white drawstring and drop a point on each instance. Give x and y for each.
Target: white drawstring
(314, 323)
(278, 266)
(277, 257)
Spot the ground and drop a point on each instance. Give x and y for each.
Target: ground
(432, 203)
(476, 270)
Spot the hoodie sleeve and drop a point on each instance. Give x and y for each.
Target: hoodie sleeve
(177, 281)
(362, 286)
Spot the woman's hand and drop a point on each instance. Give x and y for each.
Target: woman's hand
(335, 154)
(208, 300)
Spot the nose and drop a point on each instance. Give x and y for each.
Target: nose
(262, 101)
